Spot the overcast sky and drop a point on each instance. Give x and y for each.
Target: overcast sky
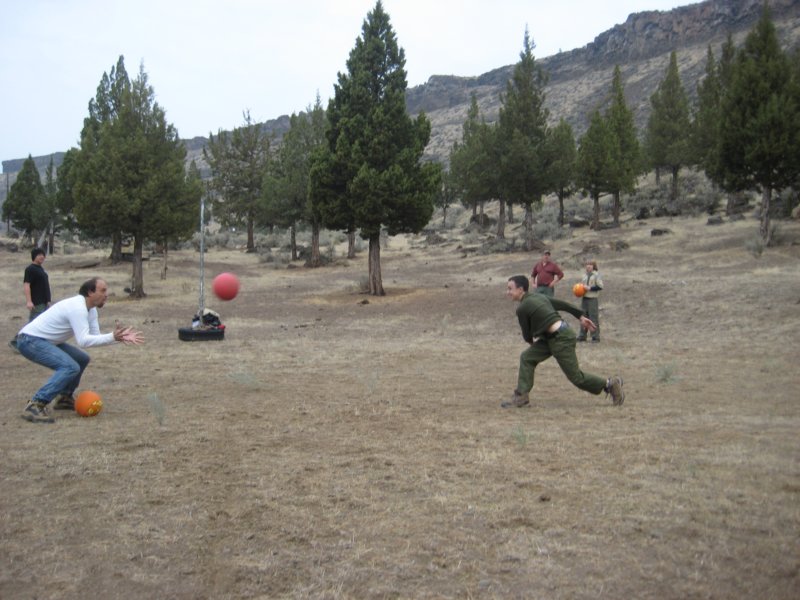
(208, 61)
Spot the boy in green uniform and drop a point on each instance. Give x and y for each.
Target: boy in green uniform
(548, 335)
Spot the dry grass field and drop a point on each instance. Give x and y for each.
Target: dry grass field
(338, 446)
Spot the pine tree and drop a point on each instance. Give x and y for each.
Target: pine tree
(596, 161)
(706, 118)
(24, 206)
(562, 163)
(522, 125)
(239, 161)
(286, 192)
(626, 154)
(760, 128)
(372, 176)
(471, 174)
(668, 128)
(129, 176)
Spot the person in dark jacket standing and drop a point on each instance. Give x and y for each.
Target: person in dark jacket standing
(546, 274)
(549, 335)
(36, 287)
(593, 283)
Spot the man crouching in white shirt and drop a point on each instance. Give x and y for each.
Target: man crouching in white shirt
(43, 341)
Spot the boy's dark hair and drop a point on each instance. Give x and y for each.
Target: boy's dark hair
(520, 281)
(89, 286)
(36, 252)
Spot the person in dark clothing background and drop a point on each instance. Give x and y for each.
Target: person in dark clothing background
(36, 287)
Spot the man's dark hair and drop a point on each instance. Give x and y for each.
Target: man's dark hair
(520, 281)
(36, 252)
(89, 286)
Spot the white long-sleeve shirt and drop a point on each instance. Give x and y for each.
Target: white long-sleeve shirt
(66, 319)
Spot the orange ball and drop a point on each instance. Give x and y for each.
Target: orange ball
(579, 289)
(225, 286)
(88, 404)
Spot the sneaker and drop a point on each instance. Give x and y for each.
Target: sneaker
(615, 389)
(36, 412)
(595, 340)
(64, 402)
(580, 339)
(518, 400)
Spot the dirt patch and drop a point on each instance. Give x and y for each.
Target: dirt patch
(330, 448)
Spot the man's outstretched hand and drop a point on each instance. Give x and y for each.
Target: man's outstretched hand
(128, 335)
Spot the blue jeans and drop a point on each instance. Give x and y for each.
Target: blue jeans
(68, 362)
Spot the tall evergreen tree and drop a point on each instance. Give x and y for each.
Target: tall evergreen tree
(706, 116)
(25, 205)
(372, 176)
(668, 128)
(239, 161)
(287, 190)
(131, 167)
(522, 125)
(626, 155)
(760, 129)
(92, 172)
(471, 174)
(49, 207)
(596, 161)
(562, 163)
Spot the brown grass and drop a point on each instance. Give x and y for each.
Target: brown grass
(329, 448)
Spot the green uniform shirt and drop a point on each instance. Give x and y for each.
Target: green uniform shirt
(537, 312)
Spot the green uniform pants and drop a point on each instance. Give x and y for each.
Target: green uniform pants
(562, 347)
(591, 308)
(546, 290)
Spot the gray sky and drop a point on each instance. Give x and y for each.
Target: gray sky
(209, 61)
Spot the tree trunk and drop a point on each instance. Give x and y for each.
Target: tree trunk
(673, 193)
(528, 228)
(501, 222)
(116, 248)
(596, 218)
(351, 244)
(765, 229)
(475, 208)
(510, 212)
(315, 260)
(658, 175)
(251, 240)
(616, 211)
(293, 240)
(444, 217)
(137, 287)
(561, 209)
(164, 263)
(375, 281)
(52, 240)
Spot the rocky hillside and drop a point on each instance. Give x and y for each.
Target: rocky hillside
(580, 79)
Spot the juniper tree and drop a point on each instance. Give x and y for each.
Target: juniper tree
(626, 154)
(522, 130)
(239, 161)
(562, 156)
(129, 174)
(24, 206)
(668, 128)
(596, 161)
(760, 127)
(371, 175)
(471, 172)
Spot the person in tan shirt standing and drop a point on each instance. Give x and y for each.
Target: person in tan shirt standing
(593, 283)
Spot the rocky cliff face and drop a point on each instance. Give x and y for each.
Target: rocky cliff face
(579, 80)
